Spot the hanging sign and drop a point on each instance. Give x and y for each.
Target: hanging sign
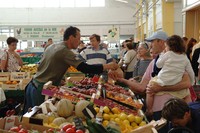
(39, 33)
(113, 34)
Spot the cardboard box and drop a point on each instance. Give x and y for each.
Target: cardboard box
(4, 76)
(17, 76)
(8, 122)
(23, 83)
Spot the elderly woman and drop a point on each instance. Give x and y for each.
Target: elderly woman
(10, 60)
(144, 58)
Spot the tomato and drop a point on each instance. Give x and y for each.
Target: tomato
(74, 128)
(50, 130)
(23, 131)
(14, 129)
(70, 130)
(79, 131)
(20, 126)
(66, 127)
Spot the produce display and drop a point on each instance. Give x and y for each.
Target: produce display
(126, 121)
(32, 68)
(77, 109)
(72, 69)
(11, 82)
(28, 55)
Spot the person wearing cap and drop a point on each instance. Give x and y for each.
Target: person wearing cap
(157, 47)
(174, 63)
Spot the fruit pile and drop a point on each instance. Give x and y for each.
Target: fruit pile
(28, 55)
(21, 129)
(69, 128)
(32, 68)
(11, 82)
(84, 91)
(126, 122)
(124, 99)
(117, 89)
(72, 69)
(111, 104)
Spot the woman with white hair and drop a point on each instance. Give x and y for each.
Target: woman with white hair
(144, 58)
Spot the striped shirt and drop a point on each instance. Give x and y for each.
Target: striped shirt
(100, 56)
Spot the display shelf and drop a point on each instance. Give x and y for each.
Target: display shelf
(36, 53)
(31, 60)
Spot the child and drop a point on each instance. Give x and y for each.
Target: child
(174, 63)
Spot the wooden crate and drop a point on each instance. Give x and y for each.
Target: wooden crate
(17, 76)
(4, 76)
(10, 86)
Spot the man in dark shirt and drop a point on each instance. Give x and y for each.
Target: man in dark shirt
(195, 64)
(182, 114)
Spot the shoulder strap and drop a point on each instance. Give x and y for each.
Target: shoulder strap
(7, 60)
(133, 57)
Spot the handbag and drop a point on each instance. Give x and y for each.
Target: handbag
(6, 65)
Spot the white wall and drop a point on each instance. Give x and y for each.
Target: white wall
(178, 30)
(89, 19)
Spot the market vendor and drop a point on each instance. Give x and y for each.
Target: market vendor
(55, 62)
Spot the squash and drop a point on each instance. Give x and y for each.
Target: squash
(58, 121)
(65, 108)
(79, 108)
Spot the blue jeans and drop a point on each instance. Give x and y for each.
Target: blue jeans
(33, 96)
(156, 116)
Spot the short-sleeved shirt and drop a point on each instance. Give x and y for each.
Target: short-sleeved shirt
(13, 63)
(141, 67)
(159, 100)
(100, 56)
(199, 61)
(54, 63)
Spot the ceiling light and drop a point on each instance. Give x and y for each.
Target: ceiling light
(124, 1)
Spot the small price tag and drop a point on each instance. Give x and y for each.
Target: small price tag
(89, 112)
(79, 124)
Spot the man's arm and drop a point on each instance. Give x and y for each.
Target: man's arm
(183, 84)
(199, 74)
(134, 85)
